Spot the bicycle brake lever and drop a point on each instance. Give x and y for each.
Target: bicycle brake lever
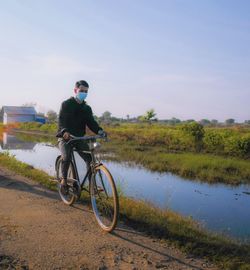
(106, 139)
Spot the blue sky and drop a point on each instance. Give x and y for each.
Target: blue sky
(184, 58)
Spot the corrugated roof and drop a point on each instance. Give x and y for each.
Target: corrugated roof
(19, 110)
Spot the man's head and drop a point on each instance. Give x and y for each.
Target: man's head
(81, 86)
(81, 90)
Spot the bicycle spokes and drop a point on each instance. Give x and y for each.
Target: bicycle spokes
(104, 199)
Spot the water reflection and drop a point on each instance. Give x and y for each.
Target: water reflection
(219, 207)
(10, 142)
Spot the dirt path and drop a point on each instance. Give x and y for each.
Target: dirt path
(37, 231)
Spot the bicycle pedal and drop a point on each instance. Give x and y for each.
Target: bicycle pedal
(71, 191)
(55, 180)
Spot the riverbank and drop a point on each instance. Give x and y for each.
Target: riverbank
(229, 141)
(170, 227)
(202, 167)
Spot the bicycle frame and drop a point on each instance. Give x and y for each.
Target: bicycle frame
(94, 163)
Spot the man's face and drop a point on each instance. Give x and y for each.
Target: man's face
(81, 88)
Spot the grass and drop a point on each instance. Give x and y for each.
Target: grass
(11, 163)
(164, 224)
(192, 137)
(204, 167)
(185, 234)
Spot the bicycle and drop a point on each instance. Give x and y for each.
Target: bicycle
(102, 188)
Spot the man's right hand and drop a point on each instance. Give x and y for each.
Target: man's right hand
(66, 135)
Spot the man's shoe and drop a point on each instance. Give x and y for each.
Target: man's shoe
(64, 187)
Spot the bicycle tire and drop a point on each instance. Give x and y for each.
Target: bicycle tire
(69, 200)
(104, 198)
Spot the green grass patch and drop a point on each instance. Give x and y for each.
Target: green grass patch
(203, 167)
(191, 137)
(10, 162)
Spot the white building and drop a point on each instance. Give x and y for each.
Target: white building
(14, 114)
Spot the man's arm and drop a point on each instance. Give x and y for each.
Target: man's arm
(63, 119)
(91, 122)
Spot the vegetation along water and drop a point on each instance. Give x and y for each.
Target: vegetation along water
(207, 154)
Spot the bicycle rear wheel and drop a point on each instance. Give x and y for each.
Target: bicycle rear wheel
(70, 197)
(104, 198)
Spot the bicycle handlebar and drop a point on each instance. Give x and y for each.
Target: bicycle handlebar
(85, 138)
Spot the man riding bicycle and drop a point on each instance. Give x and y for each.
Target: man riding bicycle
(74, 116)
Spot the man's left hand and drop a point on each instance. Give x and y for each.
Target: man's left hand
(102, 133)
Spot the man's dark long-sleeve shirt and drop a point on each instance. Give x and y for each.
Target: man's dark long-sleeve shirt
(74, 116)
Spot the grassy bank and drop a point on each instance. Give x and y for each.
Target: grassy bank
(191, 137)
(199, 166)
(168, 226)
(186, 235)
(9, 161)
(203, 167)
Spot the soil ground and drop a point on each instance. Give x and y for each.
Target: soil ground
(38, 231)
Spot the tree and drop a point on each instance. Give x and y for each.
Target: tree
(106, 115)
(195, 130)
(40, 114)
(189, 120)
(205, 122)
(247, 122)
(230, 121)
(148, 116)
(174, 121)
(52, 116)
(214, 122)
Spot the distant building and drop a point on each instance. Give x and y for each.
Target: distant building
(13, 114)
(41, 119)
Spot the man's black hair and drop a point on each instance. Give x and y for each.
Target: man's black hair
(79, 83)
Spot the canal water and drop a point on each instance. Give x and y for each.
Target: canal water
(220, 208)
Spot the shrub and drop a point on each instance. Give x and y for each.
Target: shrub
(195, 130)
(238, 146)
(213, 142)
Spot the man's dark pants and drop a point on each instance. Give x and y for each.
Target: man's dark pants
(66, 150)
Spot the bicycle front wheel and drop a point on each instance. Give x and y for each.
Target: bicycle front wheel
(104, 198)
